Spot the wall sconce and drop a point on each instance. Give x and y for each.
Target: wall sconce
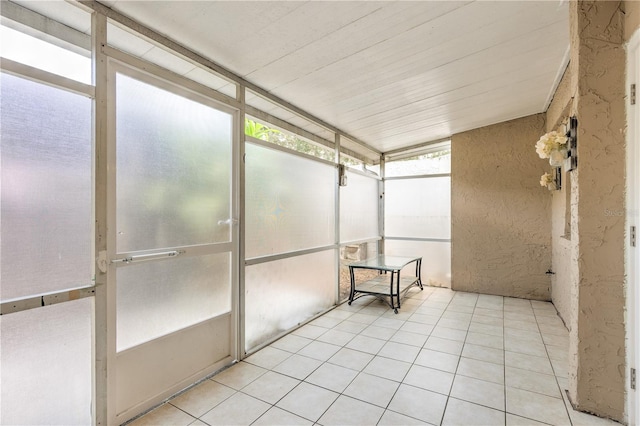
(571, 162)
(557, 177)
(342, 175)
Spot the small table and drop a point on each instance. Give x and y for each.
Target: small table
(382, 286)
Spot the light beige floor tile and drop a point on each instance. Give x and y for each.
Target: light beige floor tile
(483, 319)
(325, 321)
(560, 367)
(483, 353)
(419, 403)
(524, 347)
(389, 323)
(536, 406)
(366, 344)
(372, 389)
(457, 316)
(319, 350)
(519, 316)
(308, 401)
(297, 366)
(167, 415)
(495, 313)
(531, 336)
(407, 338)
(240, 409)
(494, 330)
(557, 329)
(558, 352)
(415, 327)
(363, 318)
(467, 309)
(309, 331)
(388, 368)
(349, 358)
(404, 314)
(429, 379)
(291, 343)
(332, 377)
(337, 313)
(550, 321)
(532, 381)
(239, 375)
(427, 310)
(522, 325)
(391, 418)
(437, 360)
(488, 340)
(336, 337)
(277, 416)
(350, 326)
(449, 333)
(377, 332)
(489, 300)
(198, 423)
(513, 420)
(399, 351)
(424, 319)
(479, 392)
(270, 387)
(348, 411)
(202, 398)
(460, 412)
(444, 345)
(481, 370)
(454, 324)
(268, 357)
(538, 364)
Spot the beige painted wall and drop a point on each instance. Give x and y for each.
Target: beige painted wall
(561, 289)
(500, 227)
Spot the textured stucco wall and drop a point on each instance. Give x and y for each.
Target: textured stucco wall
(500, 215)
(597, 338)
(561, 290)
(632, 18)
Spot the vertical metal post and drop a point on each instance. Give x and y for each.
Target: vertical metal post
(103, 410)
(381, 198)
(337, 218)
(239, 166)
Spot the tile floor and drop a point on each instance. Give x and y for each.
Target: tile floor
(447, 358)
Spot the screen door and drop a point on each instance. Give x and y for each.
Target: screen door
(174, 232)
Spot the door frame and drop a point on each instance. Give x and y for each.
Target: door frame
(632, 216)
(166, 80)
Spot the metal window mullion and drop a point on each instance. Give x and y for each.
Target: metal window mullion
(40, 301)
(238, 308)
(337, 219)
(435, 175)
(104, 410)
(45, 77)
(280, 256)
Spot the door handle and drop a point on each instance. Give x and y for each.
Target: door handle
(150, 256)
(230, 221)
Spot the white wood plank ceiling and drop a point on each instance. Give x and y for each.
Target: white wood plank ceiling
(392, 74)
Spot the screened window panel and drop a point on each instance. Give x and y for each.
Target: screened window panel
(160, 297)
(290, 202)
(45, 365)
(418, 208)
(419, 166)
(45, 189)
(280, 295)
(37, 53)
(359, 208)
(174, 169)
(436, 259)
